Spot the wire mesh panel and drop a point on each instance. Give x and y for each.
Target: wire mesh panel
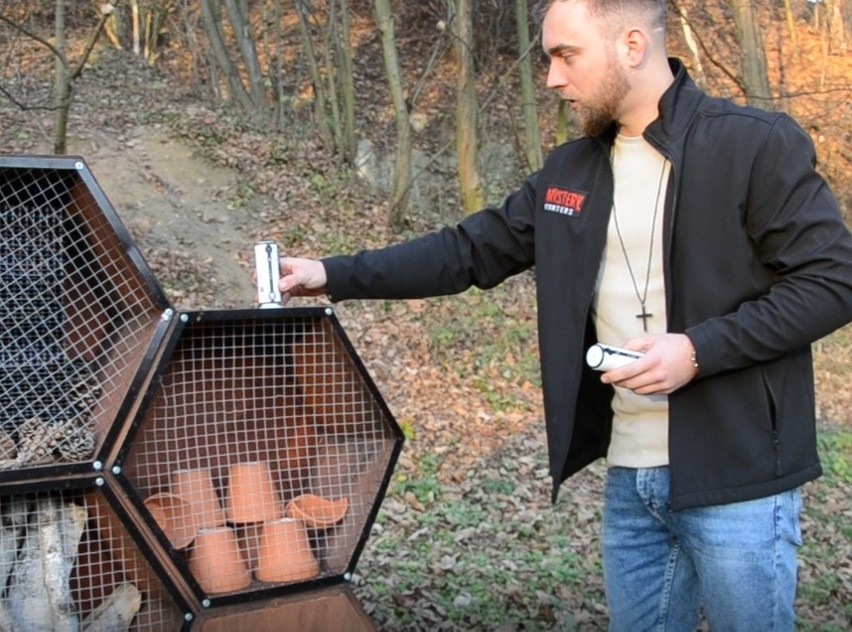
(79, 311)
(66, 563)
(266, 424)
(321, 610)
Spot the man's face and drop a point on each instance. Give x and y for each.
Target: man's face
(584, 69)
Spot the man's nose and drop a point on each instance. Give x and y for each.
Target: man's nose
(555, 79)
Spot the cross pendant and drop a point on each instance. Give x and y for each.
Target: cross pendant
(644, 316)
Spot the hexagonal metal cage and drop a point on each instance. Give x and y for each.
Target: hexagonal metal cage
(133, 442)
(271, 413)
(80, 316)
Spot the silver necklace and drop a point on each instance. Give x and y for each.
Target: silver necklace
(643, 297)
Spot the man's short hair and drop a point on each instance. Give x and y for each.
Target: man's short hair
(653, 11)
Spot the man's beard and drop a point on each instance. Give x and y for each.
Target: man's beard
(597, 116)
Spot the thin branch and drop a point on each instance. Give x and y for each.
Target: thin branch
(36, 37)
(106, 12)
(23, 106)
(706, 51)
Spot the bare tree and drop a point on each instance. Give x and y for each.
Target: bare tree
(467, 110)
(755, 75)
(347, 88)
(691, 44)
(66, 72)
(402, 179)
(791, 27)
(532, 137)
(238, 16)
(321, 119)
(210, 12)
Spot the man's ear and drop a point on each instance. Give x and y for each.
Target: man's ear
(636, 47)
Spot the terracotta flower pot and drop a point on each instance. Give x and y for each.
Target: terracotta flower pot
(176, 516)
(317, 512)
(196, 485)
(216, 562)
(251, 494)
(284, 552)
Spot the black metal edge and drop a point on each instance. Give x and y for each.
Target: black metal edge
(45, 483)
(39, 161)
(123, 234)
(399, 439)
(140, 380)
(399, 436)
(374, 512)
(253, 313)
(159, 369)
(142, 544)
(54, 470)
(282, 590)
(163, 542)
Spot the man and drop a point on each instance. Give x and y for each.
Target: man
(698, 233)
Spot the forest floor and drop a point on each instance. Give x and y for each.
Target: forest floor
(467, 538)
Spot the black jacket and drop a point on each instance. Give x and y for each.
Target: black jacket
(758, 264)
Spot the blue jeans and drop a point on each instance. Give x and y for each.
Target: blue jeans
(735, 562)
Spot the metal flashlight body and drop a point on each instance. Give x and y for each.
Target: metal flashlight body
(266, 255)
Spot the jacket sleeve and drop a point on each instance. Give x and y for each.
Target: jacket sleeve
(482, 250)
(799, 235)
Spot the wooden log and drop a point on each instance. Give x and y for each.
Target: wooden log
(117, 611)
(13, 520)
(40, 594)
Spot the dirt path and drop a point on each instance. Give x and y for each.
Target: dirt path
(177, 202)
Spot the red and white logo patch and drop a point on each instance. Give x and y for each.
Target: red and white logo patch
(564, 201)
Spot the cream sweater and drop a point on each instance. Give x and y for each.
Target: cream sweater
(640, 424)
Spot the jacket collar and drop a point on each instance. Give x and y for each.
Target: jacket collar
(676, 109)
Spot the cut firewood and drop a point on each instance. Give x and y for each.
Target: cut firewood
(40, 594)
(117, 611)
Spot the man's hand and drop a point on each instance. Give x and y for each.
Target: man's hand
(301, 277)
(665, 366)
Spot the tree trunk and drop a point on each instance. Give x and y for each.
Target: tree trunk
(280, 95)
(791, 27)
(532, 137)
(238, 16)
(347, 88)
(689, 38)
(836, 27)
(755, 76)
(210, 17)
(134, 11)
(332, 47)
(320, 98)
(61, 84)
(402, 168)
(189, 25)
(473, 198)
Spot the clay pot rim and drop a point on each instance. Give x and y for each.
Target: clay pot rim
(187, 510)
(330, 513)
